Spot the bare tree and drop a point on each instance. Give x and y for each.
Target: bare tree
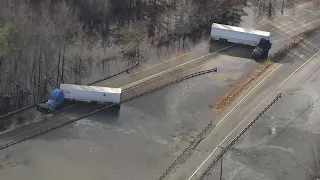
(269, 8)
(58, 41)
(133, 36)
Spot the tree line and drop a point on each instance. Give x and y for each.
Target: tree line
(47, 42)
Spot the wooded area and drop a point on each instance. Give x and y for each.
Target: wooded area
(47, 42)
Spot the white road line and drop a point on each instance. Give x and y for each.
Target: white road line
(281, 24)
(128, 93)
(154, 65)
(171, 69)
(150, 77)
(286, 24)
(206, 46)
(287, 32)
(256, 106)
(309, 11)
(160, 73)
(290, 12)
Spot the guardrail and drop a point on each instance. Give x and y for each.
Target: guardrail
(187, 151)
(38, 132)
(175, 81)
(225, 149)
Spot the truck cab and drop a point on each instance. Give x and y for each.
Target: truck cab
(55, 102)
(262, 49)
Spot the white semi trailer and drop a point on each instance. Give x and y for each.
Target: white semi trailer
(251, 37)
(80, 93)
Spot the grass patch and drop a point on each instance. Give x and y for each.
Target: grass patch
(225, 100)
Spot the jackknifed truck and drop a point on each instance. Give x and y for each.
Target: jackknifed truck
(259, 39)
(67, 92)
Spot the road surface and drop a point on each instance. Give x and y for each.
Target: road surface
(284, 142)
(247, 107)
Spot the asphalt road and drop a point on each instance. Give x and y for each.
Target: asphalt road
(245, 110)
(284, 142)
(143, 139)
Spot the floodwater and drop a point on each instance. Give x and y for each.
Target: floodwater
(138, 143)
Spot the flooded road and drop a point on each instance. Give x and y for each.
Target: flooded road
(138, 143)
(285, 142)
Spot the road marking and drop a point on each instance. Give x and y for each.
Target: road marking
(150, 77)
(287, 32)
(166, 78)
(154, 65)
(281, 24)
(171, 69)
(290, 13)
(278, 66)
(285, 24)
(256, 106)
(208, 45)
(309, 11)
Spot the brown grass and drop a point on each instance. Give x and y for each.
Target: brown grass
(225, 100)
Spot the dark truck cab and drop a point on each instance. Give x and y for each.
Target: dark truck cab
(262, 49)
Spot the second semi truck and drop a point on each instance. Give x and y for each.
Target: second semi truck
(259, 39)
(80, 93)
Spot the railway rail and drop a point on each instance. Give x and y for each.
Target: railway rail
(52, 125)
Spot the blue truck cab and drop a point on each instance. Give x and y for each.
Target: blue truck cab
(55, 102)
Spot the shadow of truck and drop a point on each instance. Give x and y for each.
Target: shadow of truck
(237, 50)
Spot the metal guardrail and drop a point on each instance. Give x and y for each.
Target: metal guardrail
(225, 149)
(38, 132)
(187, 151)
(174, 82)
(31, 106)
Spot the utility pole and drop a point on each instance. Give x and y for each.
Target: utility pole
(221, 163)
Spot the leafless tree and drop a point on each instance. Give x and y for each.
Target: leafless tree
(58, 41)
(269, 8)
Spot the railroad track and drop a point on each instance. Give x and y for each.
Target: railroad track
(62, 121)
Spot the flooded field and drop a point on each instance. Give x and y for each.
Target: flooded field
(138, 143)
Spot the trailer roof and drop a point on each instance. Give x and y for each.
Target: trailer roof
(239, 29)
(90, 88)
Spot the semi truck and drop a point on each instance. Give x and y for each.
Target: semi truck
(259, 39)
(67, 92)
